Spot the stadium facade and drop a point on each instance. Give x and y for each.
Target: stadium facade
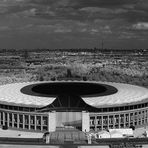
(46, 106)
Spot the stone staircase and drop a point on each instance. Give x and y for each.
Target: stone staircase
(68, 137)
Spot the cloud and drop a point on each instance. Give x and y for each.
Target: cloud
(142, 5)
(46, 28)
(94, 31)
(83, 30)
(55, 4)
(4, 28)
(78, 19)
(62, 30)
(106, 30)
(69, 9)
(104, 3)
(3, 10)
(141, 26)
(29, 12)
(127, 35)
(104, 11)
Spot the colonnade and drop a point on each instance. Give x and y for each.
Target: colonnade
(24, 120)
(43, 122)
(126, 119)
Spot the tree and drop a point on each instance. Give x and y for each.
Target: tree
(69, 75)
(41, 78)
(53, 79)
(84, 78)
(26, 54)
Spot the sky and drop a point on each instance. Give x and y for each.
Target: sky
(53, 24)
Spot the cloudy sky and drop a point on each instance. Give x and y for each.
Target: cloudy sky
(73, 23)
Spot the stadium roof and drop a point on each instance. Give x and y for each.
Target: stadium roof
(11, 94)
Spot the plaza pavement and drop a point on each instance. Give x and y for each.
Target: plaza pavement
(22, 134)
(19, 134)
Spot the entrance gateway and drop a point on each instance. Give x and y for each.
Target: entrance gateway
(68, 111)
(76, 120)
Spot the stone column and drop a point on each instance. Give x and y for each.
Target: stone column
(0, 118)
(29, 121)
(23, 121)
(101, 122)
(12, 120)
(144, 116)
(119, 119)
(52, 121)
(108, 122)
(8, 119)
(136, 116)
(95, 122)
(41, 122)
(141, 116)
(85, 121)
(48, 138)
(3, 118)
(129, 118)
(133, 118)
(18, 120)
(113, 121)
(147, 116)
(124, 121)
(35, 122)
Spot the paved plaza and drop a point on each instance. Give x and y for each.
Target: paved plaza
(19, 134)
(26, 146)
(76, 135)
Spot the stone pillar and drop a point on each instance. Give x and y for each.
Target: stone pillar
(0, 118)
(12, 120)
(107, 122)
(3, 118)
(41, 122)
(124, 120)
(141, 116)
(23, 121)
(29, 121)
(129, 118)
(119, 119)
(147, 116)
(133, 119)
(95, 122)
(101, 122)
(35, 122)
(8, 119)
(48, 138)
(144, 116)
(52, 121)
(18, 120)
(114, 121)
(85, 121)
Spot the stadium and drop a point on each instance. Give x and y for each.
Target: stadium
(84, 105)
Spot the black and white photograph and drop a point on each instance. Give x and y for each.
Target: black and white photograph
(73, 73)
